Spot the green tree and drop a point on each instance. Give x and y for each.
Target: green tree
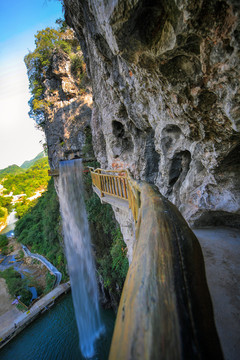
(3, 240)
(40, 229)
(2, 212)
(38, 62)
(31, 180)
(3, 244)
(6, 202)
(110, 249)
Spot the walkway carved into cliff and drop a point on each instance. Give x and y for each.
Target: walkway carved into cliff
(165, 309)
(118, 184)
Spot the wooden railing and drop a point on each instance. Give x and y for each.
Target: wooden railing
(165, 311)
(120, 184)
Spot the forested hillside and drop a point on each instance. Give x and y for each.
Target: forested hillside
(10, 170)
(40, 229)
(28, 163)
(29, 181)
(16, 181)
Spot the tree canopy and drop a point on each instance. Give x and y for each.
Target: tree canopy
(38, 62)
(28, 182)
(40, 229)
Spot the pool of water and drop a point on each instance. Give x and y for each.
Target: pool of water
(54, 336)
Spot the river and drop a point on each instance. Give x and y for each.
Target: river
(54, 336)
(11, 222)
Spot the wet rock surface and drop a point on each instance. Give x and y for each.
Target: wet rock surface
(165, 80)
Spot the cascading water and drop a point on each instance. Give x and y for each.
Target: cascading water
(79, 255)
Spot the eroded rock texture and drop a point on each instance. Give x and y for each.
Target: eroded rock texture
(165, 79)
(69, 108)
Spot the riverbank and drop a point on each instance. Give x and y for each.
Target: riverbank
(13, 325)
(35, 273)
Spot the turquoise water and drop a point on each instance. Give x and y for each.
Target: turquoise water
(54, 336)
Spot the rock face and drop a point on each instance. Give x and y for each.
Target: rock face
(165, 79)
(69, 109)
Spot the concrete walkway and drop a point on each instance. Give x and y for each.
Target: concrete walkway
(114, 201)
(221, 251)
(15, 321)
(44, 261)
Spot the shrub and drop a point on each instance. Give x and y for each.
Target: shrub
(40, 228)
(3, 240)
(16, 285)
(21, 254)
(4, 250)
(110, 249)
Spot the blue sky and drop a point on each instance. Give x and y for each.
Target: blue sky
(19, 21)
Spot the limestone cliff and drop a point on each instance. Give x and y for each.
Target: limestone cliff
(69, 105)
(165, 79)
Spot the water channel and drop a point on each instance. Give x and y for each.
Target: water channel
(54, 336)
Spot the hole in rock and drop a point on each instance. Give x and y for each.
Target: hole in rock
(118, 129)
(179, 166)
(172, 129)
(169, 136)
(123, 141)
(166, 143)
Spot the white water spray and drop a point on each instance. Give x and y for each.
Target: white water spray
(79, 255)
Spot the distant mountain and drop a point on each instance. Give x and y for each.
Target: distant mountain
(27, 164)
(10, 170)
(15, 169)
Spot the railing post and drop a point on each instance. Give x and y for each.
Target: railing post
(100, 184)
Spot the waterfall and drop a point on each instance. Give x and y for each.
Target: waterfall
(12, 219)
(80, 260)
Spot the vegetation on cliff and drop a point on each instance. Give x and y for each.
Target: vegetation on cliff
(109, 247)
(3, 244)
(48, 42)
